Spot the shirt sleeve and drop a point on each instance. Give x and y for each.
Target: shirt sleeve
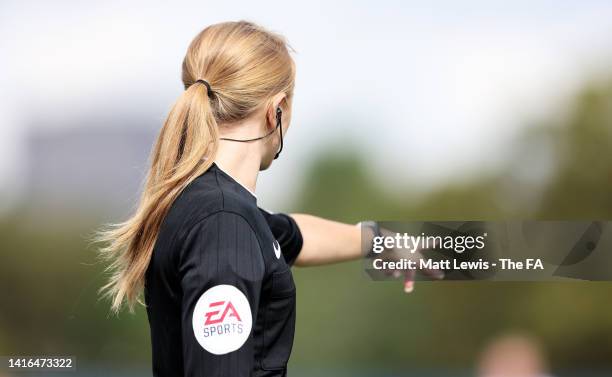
(287, 233)
(221, 271)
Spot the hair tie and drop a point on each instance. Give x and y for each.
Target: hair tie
(209, 90)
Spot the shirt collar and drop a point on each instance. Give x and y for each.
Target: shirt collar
(234, 179)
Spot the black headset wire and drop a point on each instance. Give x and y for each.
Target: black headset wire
(279, 126)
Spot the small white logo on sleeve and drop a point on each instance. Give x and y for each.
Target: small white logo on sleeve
(222, 319)
(277, 249)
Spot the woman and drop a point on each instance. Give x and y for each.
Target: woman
(219, 293)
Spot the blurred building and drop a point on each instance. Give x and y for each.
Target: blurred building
(96, 169)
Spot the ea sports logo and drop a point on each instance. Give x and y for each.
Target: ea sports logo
(229, 310)
(222, 319)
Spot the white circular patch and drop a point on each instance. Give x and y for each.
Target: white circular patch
(222, 319)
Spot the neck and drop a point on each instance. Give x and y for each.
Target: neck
(241, 161)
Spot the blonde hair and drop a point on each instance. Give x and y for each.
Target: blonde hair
(245, 65)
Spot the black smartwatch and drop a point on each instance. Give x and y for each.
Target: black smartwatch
(375, 228)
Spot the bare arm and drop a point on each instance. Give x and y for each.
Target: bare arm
(327, 241)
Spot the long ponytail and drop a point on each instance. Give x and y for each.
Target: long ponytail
(246, 65)
(189, 134)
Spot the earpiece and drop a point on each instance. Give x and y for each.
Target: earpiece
(279, 113)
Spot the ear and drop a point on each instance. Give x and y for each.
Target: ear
(279, 99)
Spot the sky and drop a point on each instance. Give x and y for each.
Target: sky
(426, 92)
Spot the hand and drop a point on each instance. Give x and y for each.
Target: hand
(393, 255)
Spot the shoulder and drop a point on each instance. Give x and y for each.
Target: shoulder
(212, 213)
(221, 244)
(207, 198)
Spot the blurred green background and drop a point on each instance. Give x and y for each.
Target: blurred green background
(348, 325)
(403, 110)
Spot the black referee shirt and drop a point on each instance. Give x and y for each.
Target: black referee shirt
(219, 291)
